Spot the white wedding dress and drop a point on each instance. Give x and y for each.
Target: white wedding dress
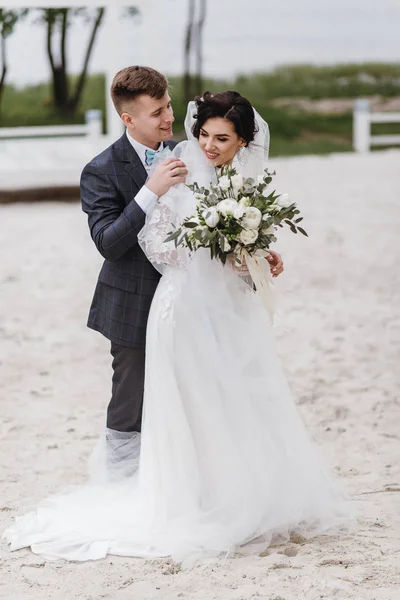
(226, 463)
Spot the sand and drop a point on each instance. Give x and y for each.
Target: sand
(340, 343)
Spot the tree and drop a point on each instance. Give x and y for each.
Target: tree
(187, 78)
(8, 20)
(194, 45)
(199, 47)
(58, 21)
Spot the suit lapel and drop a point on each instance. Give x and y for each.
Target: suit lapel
(137, 171)
(133, 165)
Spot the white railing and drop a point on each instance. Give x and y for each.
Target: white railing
(362, 119)
(93, 128)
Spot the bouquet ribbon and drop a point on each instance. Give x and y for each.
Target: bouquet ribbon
(260, 273)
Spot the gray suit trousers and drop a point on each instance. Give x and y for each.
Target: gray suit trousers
(124, 411)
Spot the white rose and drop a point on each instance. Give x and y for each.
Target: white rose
(226, 245)
(245, 201)
(227, 207)
(211, 217)
(239, 212)
(269, 229)
(237, 182)
(248, 236)
(224, 183)
(265, 192)
(252, 218)
(283, 201)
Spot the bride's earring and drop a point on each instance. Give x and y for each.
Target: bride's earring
(240, 155)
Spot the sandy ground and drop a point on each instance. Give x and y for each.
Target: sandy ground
(340, 296)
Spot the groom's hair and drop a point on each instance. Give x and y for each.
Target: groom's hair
(228, 105)
(135, 81)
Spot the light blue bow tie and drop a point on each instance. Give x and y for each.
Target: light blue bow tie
(150, 154)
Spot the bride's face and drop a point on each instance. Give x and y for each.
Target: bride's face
(219, 141)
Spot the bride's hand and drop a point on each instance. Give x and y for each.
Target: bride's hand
(242, 269)
(275, 263)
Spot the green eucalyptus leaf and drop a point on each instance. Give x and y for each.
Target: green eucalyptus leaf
(173, 236)
(303, 231)
(191, 224)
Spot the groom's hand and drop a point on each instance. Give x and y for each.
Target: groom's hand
(275, 263)
(167, 174)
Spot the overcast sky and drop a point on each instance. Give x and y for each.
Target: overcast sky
(239, 36)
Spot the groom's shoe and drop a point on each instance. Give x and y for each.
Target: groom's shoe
(122, 453)
(115, 457)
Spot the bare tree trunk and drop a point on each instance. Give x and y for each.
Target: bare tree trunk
(63, 54)
(82, 77)
(3, 63)
(55, 69)
(8, 20)
(63, 42)
(48, 44)
(199, 48)
(60, 87)
(187, 83)
(60, 72)
(59, 66)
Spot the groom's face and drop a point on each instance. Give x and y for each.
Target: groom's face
(149, 120)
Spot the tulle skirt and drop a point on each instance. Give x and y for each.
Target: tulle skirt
(226, 463)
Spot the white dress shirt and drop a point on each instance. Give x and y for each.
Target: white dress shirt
(145, 198)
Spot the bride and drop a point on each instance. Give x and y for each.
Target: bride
(226, 464)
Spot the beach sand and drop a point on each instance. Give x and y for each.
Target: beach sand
(339, 340)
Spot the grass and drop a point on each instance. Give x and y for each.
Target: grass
(32, 105)
(293, 131)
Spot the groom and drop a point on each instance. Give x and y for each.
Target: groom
(116, 194)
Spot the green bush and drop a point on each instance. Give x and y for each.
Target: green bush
(310, 81)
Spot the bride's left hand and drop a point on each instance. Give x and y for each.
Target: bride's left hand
(275, 263)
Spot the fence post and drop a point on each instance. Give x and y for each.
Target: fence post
(361, 126)
(94, 123)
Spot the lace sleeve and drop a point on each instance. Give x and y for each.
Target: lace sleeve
(159, 223)
(172, 208)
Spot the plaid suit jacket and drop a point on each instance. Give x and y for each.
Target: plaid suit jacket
(127, 280)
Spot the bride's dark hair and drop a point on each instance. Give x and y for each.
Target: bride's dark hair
(228, 105)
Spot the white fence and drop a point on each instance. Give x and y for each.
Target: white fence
(362, 119)
(92, 128)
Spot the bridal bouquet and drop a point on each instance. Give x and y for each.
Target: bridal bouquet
(236, 216)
